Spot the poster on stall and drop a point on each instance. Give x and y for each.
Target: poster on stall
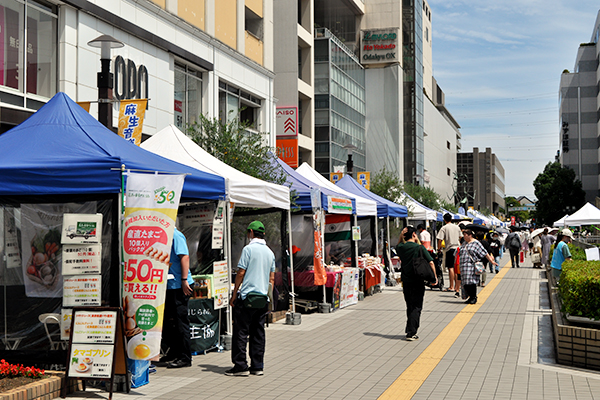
(81, 259)
(11, 242)
(197, 215)
(218, 225)
(95, 327)
(319, 267)
(345, 291)
(337, 289)
(221, 284)
(353, 295)
(152, 202)
(82, 290)
(41, 226)
(91, 360)
(204, 324)
(81, 228)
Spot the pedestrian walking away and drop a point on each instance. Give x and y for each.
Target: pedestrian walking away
(176, 335)
(249, 302)
(561, 253)
(470, 252)
(513, 243)
(413, 287)
(495, 245)
(450, 235)
(547, 242)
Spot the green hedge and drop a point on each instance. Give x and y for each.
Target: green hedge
(579, 288)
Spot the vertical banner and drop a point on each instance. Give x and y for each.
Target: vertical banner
(319, 265)
(364, 178)
(131, 119)
(85, 105)
(150, 213)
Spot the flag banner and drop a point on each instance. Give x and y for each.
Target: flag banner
(85, 105)
(131, 119)
(337, 227)
(150, 213)
(318, 262)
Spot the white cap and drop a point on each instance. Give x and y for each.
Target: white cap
(567, 232)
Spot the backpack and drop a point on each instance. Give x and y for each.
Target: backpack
(513, 243)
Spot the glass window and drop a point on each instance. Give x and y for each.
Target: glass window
(188, 95)
(236, 103)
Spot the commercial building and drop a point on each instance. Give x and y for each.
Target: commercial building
(189, 57)
(578, 129)
(481, 180)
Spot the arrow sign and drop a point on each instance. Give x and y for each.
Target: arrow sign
(287, 121)
(289, 125)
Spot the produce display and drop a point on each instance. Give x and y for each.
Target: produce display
(43, 265)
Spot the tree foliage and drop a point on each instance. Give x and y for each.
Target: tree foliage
(521, 216)
(557, 191)
(233, 144)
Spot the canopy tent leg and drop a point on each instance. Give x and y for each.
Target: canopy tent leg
(227, 251)
(291, 258)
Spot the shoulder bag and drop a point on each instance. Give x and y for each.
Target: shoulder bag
(479, 267)
(422, 268)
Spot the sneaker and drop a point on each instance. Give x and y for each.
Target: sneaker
(258, 372)
(237, 372)
(411, 338)
(457, 294)
(179, 364)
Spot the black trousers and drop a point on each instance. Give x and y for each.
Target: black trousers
(471, 291)
(514, 257)
(176, 328)
(413, 295)
(248, 323)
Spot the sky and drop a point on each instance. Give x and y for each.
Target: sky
(499, 64)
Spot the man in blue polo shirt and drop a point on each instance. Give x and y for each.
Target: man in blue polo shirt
(256, 269)
(176, 330)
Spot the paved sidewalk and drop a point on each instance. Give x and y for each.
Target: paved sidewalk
(503, 352)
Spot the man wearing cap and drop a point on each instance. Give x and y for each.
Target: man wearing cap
(561, 253)
(256, 269)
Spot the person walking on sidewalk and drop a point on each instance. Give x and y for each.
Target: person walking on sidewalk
(412, 286)
(450, 234)
(561, 253)
(470, 252)
(424, 236)
(176, 336)
(495, 245)
(513, 243)
(249, 302)
(547, 242)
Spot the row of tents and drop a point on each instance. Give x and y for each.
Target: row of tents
(586, 215)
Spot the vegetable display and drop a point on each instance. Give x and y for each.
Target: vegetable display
(43, 263)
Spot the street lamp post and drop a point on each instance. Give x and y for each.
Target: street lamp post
(349, 162)
(105, 78)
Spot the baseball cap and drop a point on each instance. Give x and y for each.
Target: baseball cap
(256, 226)
(567, 232)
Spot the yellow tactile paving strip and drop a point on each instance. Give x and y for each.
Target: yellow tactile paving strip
(413, 377)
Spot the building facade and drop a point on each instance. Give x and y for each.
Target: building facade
(481, 180)
(211, 57)
(579, 128)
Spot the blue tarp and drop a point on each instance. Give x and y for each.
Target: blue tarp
(385, 208)
(302, 187)
(62, 149)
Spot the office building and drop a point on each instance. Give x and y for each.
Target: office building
(481, 180)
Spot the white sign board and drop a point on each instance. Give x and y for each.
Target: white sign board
(81, 259)
(91, 360)
(11, 242)
(81, 228)
(82, 290)
(286, 122)
(380, 46)
(95, 327)
(220, 284)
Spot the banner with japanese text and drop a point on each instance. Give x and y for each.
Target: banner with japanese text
(131, 120)
(150, 213)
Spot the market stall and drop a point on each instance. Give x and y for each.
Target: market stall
(242, 191)
(561, 222)
(586, 215)
(385, 210)
(62, 161)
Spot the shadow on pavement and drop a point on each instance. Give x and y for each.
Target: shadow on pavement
(213, 368)
(394, 337)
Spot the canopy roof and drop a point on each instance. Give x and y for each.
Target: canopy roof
(385, 208)
(62, 149)
(418, 210)
(302, 188)
(586, 215)
(364, 206)
(243, 189)
(476, 219)
(561, 222)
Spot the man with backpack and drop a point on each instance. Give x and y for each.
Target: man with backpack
(513, 242)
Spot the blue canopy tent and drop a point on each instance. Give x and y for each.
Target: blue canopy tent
(61, 160)
(62, 149)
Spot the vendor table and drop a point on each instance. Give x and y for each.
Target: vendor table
(307, 278)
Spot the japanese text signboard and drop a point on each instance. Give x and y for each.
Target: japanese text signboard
(81, 259)
(82, 290)
(131, 120)
(95, 327)
(221, 284)
(152, 202)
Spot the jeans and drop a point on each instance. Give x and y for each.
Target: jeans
(514, 257)
(176, 329)
(413, 295)
(497, 259)
(248, 323)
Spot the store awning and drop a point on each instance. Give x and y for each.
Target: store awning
(243, 190)
(364, 206)
(62, 149)
(561, 222)
(418, 211)
(385, 208)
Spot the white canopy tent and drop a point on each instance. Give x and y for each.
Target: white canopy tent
(416, 210)
(364, 207)
(586, 215)
(243, 190)
(561, 222)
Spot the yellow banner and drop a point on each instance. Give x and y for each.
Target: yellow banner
(85, 105)
(131, 119)
(364, 178)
